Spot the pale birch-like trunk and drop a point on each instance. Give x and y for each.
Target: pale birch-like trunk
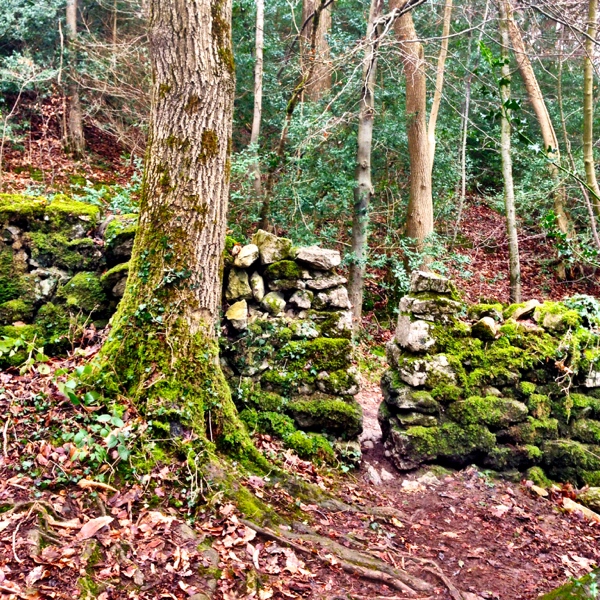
(419, 218)
(507, 173)
(258, 89)
(75, 140)
(536, 99)
(439, 81)
(162, 350)
(364, 188)
(318, 80)
(588, 104)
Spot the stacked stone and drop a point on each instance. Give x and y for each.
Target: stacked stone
(288, 326)
(487, 385)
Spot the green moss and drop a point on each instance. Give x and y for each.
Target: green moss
(537, 475)
(478, 311)
(209, 146)
(534, 431)
(327, 414)
(327, 323)
(111, 277)
(310, 446)
(557, 317)
(492, 411)
(561, 407)
(57, 250)
(120, 229)
(321, 354)
(450, 441)
(338, 383)
(568, 460)
(15, 310)
(63, 211)
(539, 406)
(510, 310)
(21, 340)
(284, 269)
(59, 327)
(447, 393)
(584, 588)
(83, 292)
(585, 406)
(526, 388)
(19, 208)
(586, 430)
(11, 282)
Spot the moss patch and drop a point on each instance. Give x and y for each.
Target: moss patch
(327, 414)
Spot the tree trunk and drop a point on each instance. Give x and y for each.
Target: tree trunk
(318, 80)
(162, 350)
(505, 150)
(439, 82)
(258, 79)
(364, 188)
(549, 137)
(588, 104)
(419, 218)
(75, 140)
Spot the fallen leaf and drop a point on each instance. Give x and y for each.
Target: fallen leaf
(93, 526)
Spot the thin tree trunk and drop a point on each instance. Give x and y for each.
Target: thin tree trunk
(319, 82)
(258, 83)
(162, 351)
(507, 174)
(419, 218)
(536, 99)
(75, 138)
(588, 104)
(364, 188)
(439, 81)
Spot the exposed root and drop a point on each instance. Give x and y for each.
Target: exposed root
(435, 569)
(351, 561)
(385, 512)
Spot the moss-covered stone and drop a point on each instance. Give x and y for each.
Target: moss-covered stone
(119, 236)
(114, 275)
(537, 475)
(284, 269)
(568, 460)
(478, 311)
(327, 414)
(502, 458)
(83, 293)
(11, 276)
(58, 250)
(490, 410)
(556, 317)
(59, 327)
(586, 430)
(585, 406)
(532, 431)
(539, 406)
(15, 310)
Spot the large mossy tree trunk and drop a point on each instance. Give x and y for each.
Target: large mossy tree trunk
(162, 350)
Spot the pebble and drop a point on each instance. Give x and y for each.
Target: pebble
(373, 476)
(386, 475)
(368, 445)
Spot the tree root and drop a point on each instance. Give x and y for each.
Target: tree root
(351, 561)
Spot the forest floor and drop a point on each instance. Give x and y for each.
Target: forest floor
(65, 535)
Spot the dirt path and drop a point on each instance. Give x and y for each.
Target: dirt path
(494, 539)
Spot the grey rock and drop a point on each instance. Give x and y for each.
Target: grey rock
(373, 476)
(492, 391)
(403, 397)
(273, 303)
(416, 372)
(46, 281)
(320, 258)
(283, 285)
(592, 379)
(303, 329)
(485, 329)
(302, 299)
(325, 283)
(118, 289)
(413, 335)
(338, 298)
(386, 475)
(414, 418)
(257, 284)
(237, 314)
(393, 353)
(430, 309)
(238, 286)
(526, 311)
(271, 248)
(11, 234)
(425, 281)
(368, 444)
(247, 256)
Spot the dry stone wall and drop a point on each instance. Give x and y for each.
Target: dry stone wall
(286, 329)
(510, 388)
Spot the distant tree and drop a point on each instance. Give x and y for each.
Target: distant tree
(318, 76)
(75, 140)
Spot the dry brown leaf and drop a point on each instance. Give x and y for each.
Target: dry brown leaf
(93, 526)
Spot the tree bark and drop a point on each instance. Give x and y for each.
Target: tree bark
(75, 140)
(439, 81)
(505, 150)
(258, 79)
(162, 350)
(549, 137)
(364, 188)
(318, 82)
(588, 104)
(419, 218)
